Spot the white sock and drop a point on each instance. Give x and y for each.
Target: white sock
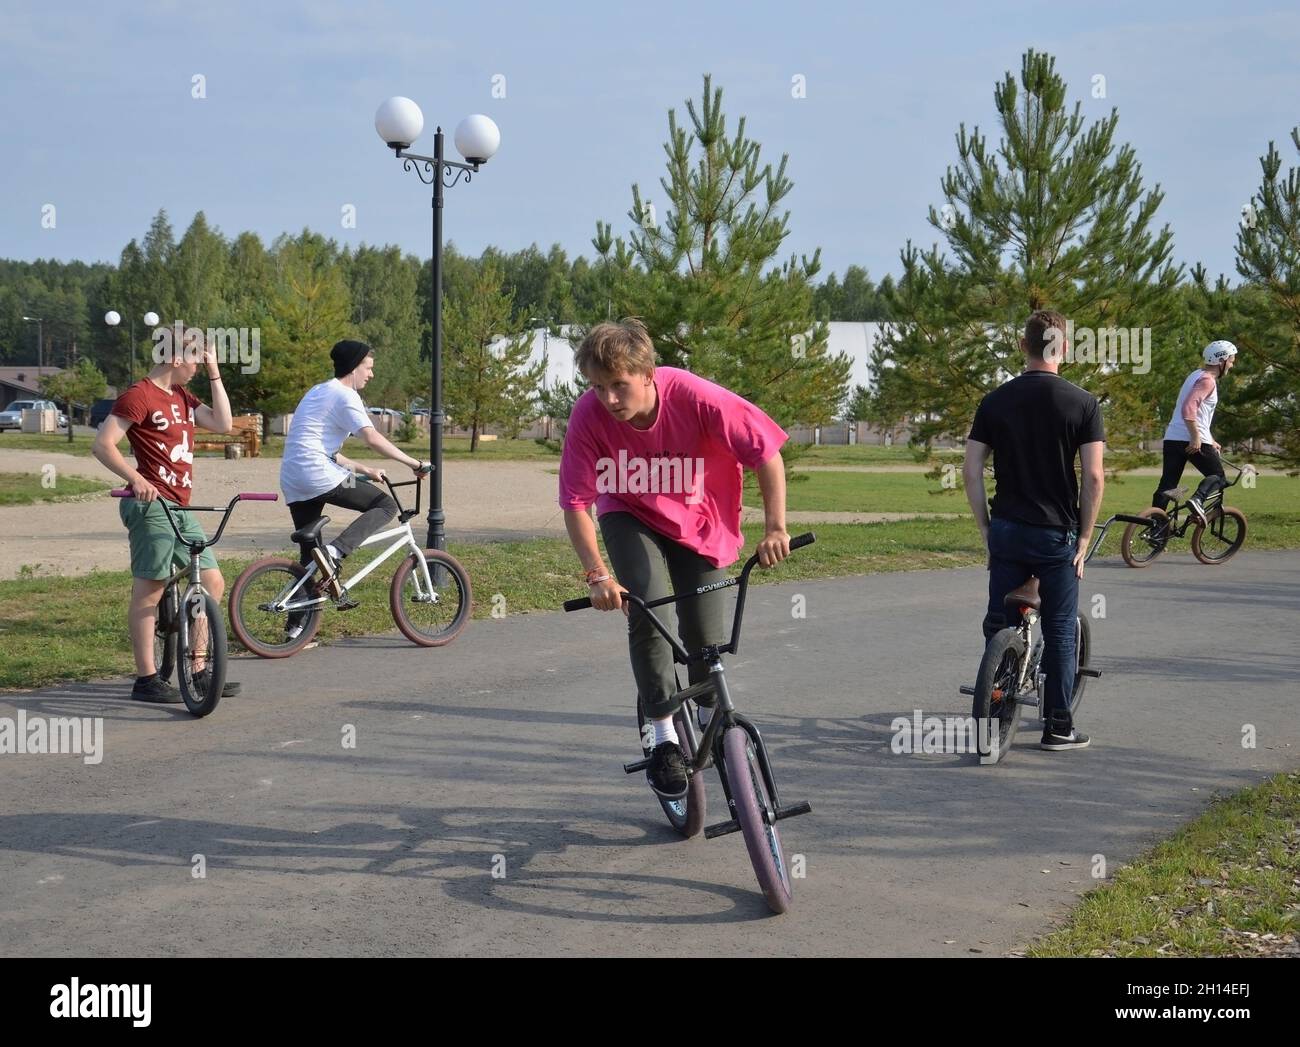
(335, 555)
(664, 730)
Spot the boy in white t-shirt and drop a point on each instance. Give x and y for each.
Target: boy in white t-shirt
(314, 474)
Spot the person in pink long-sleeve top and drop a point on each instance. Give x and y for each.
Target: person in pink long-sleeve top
(660, 454)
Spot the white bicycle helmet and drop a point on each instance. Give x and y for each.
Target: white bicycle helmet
(1218, 351)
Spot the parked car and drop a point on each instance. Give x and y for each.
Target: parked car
(385, 412)
(100, 410)
(12, 416)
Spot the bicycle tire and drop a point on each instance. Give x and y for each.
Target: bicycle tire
(460, 587)
(164, 637)
(686, 815)
(1137, 547)
(757, 817)
(999, 668)
(202, 704)
(1082, 654)
(1212, 559)
(249, 623)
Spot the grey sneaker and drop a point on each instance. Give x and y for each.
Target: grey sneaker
(1198, 510)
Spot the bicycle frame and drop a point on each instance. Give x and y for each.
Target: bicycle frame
(404, 538)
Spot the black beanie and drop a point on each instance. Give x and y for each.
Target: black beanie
(347, 355)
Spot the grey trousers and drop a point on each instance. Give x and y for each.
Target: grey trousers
(645, 562)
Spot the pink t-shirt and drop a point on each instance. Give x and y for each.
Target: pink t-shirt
(682, 476)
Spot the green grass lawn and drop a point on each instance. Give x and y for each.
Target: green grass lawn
(56, 629)
(1217, 887)
(27, 488)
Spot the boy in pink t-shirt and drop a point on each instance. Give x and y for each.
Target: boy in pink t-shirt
(660, 453)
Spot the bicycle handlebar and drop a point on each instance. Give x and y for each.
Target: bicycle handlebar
(248, 496)
(740, 581)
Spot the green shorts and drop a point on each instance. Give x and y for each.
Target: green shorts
(155, 552)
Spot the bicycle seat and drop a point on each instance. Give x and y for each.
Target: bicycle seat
(1025, 596)
(310, 534)
(1174, 492)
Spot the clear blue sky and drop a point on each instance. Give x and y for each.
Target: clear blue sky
(98, 119)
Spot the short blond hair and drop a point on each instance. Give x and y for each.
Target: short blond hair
(617, 348)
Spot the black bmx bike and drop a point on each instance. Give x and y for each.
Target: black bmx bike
(1010, 675)
(1215, 538)
(190, 633)
(731, 743)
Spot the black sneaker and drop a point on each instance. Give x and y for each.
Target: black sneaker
(667, 771)
(1054, 741)
(152, 689)
(228, 690)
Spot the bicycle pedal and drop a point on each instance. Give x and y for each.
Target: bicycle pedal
(346, 603)
(712, 832)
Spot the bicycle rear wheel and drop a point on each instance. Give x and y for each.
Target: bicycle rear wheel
(995, 709)
(687, 814)
(201, 644)
(757, 817)
(1082, 652)
(431, 619)
(259, 629)
(1142, 544)
(1225, 534)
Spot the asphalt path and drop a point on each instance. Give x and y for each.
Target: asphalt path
(483, 809)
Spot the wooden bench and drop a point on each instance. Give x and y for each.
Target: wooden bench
(244, 432)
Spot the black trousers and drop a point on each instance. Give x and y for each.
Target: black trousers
(374, 505)
(1207, 460)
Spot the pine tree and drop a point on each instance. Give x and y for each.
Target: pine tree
(488, 379)
(1268, 256)
(701, 272)
(1056, 217)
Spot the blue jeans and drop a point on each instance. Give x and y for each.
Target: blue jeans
(1016, 551)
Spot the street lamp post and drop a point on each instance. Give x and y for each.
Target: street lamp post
(399, 123)
(112, 318)
(39, 321)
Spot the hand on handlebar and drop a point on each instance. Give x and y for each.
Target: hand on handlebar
(422, 468)
(774, 547)
(372, 473)
(143, 490)
(607, 596)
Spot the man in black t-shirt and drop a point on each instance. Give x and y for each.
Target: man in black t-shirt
(1039, 522)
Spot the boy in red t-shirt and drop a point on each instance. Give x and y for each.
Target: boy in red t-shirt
(157, 416)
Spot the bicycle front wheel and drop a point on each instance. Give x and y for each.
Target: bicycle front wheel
(201, 654)
(431, 619)
(268, 633)
(757, 817)
(1215, 543)
(1142, 543)
(1082, 652)
(995, 707)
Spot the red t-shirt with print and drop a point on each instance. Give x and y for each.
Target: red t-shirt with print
(161, 436)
